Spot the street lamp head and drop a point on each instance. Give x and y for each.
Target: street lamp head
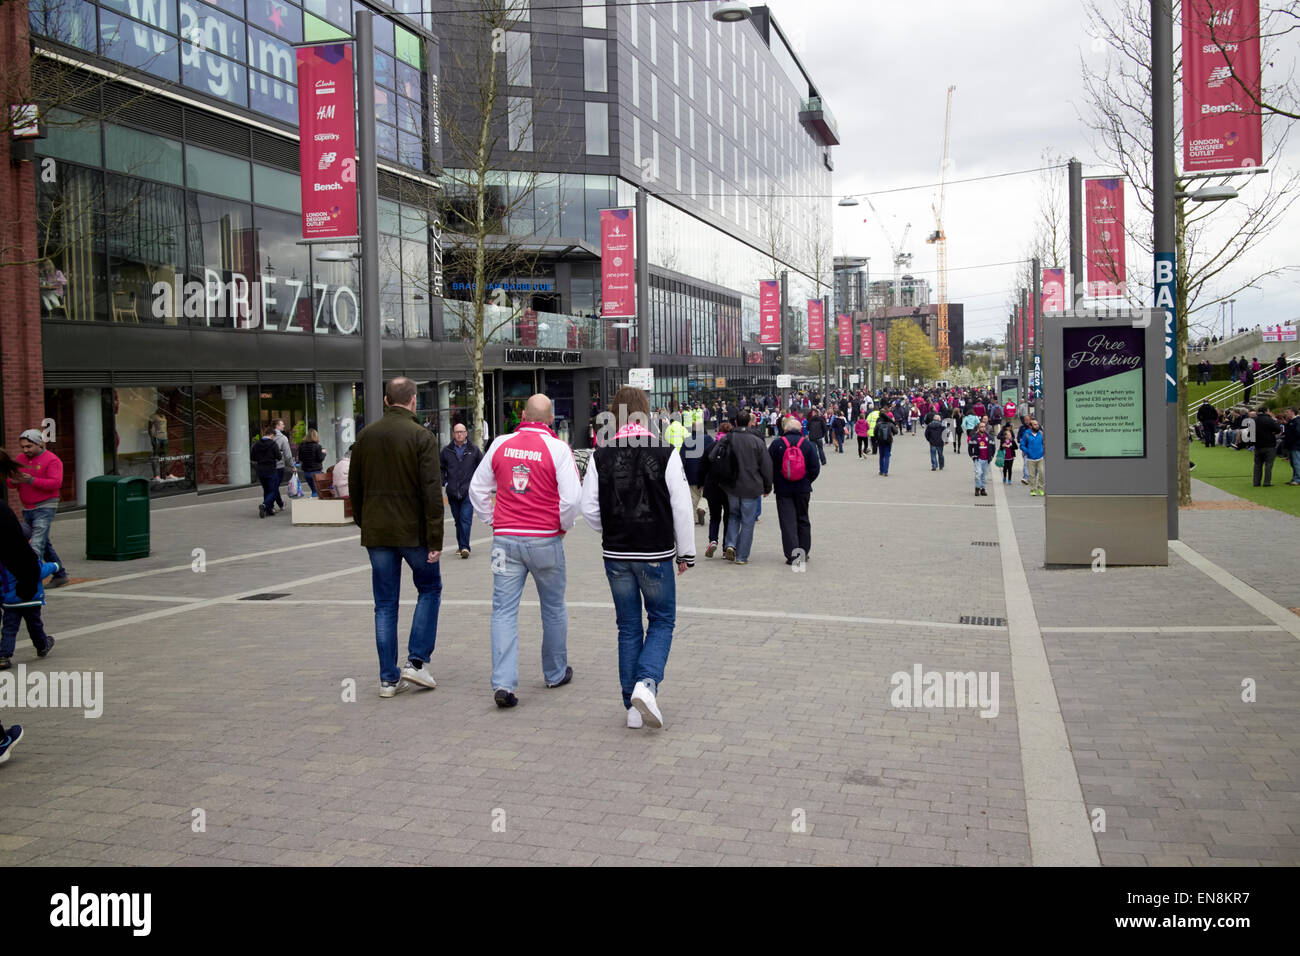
(1214, 194)
(337, 255)
(731, 12)
(848, 201)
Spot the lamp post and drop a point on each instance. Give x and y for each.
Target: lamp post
(372, 380)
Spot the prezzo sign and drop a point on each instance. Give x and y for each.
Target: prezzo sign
(258, 304)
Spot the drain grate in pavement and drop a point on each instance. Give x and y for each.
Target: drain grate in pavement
(983, 544)
(982, 621)
(265, 596)
(984, 504)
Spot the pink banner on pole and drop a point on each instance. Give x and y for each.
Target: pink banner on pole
(617, 264)
(1104, 212)
(327, 144)
(1222, 126)
(882, 345)
(846, 334)
(769, 308)
(1053, 290)
(816, 326)
(865, 339)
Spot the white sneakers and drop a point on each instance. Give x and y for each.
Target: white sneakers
(634, 718)
(420, 677)
(643, 700)
(387, 690)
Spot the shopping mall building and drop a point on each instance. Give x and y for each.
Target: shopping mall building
(160, 305)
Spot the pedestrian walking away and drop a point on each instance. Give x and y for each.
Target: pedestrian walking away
(795, 466)
(458, 462)
(753, 471)
(265, 457)
(884, 438)
(636, 496)
(312, 457)
(396, 492)
(39, 481)
(934, 435)
(538, 494)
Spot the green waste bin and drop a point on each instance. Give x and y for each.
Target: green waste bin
(117, 518)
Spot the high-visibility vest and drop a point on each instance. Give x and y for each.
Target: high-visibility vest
(675, 434)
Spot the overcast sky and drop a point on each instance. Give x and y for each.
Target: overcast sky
(884, 70)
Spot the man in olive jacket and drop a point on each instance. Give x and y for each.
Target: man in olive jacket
(396, 491)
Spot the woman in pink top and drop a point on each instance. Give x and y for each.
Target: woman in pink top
(863, 432)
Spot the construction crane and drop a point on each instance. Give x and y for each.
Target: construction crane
(940, 242)
(902, 260)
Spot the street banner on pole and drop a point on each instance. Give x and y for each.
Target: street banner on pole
(327, 143)
(1104, 201)
(882, 345)
(617, 264)
(769, 312)
(1053, 291)
(866, 345)
(1020, 322)
(846, 334)
(1221, 85)
(816, 326)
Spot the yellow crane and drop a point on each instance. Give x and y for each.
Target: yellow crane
(940, 243)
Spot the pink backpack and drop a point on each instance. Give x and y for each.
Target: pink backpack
(793, 467)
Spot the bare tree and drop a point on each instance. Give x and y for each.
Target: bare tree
(1213, 261)
(1276, 22)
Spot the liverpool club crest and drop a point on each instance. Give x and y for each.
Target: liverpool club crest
(519, 475)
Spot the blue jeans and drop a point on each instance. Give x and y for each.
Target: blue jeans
(13, 616)
(513, 557)
(40, 519)
(270, 489)
(309, 482)
(886, 450)
(740, 524)
(463, 512)
(936, 456)
(1295, 464)
(981, 471)
(642, 652)
(386, 583)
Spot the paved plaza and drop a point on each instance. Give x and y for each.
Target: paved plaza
(1122, 735)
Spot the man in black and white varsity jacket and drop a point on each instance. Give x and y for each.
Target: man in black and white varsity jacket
(635, 494)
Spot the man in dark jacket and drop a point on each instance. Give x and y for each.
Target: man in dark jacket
(1208, 417)
(934, 435)
(266, 460)
(1247, 380)
(457, 462)
(1267, 430)
(396, 491)
(792, 495)
(753, 481)
(693, 454)
(17, 557)
(817, 433)
(1291, 442)
(884, 436)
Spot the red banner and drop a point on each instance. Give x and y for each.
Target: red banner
(865, 339)
(327, 144)
(617, 264)
(882, 345)
(1104, 199)
(1020, 326)
(769, 308)
(816, 326)
(1053, 290)
(846, 334)
(1221, 84)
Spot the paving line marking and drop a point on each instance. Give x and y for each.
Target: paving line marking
(1189, 629)
(1059, 830)
(1261, 602)
(115, 596)
(901, 504)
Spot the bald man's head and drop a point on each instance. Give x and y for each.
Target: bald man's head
(539, 409)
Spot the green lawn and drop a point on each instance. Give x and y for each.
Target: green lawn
(1197, 392)
(1230, 471)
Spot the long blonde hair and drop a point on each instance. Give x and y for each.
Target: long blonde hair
(313, 435)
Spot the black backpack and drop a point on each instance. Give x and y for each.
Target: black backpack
(722, 464)
(884, 431)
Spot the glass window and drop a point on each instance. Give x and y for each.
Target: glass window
(273, 55)
(386, 140)
(595, 73)
(154, 434)
(143, 154)
(385, 70)
(212, 74)
(571, 205)
(546, 201)
(126, 41)
(385, 106)
(337, 12)
(315, 29)
(519, 9)
(521, 122)
(384, 38)
(408, 82)
(597, 129)
(222, 251)
(519, 58)
(69, 229)
(636, 80)
(277, 17)
(274, 187)
(599, 196)
(146, 249)
(210, 31)
(273, 97)
(593, 14)
(409, 48)
(70, 136)
(410, 149)
(68, 21)
(282, 268)
(217, 173)
(390, 286)
(415, 289)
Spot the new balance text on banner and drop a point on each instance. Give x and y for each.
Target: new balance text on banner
(816, 326)
(882, 343)
(1221, 84)
(617, 264)
(327, 145)
(1104, 203)
(1053, 291)
(769, 312)
(846, 334)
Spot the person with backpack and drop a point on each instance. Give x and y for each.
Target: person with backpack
(753, 479)
(884, 438)
(816, 432)
(714, 476)
(1007, 446)
(795, 466)
(934, 435)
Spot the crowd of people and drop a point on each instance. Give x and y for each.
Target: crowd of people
(1242, 428)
